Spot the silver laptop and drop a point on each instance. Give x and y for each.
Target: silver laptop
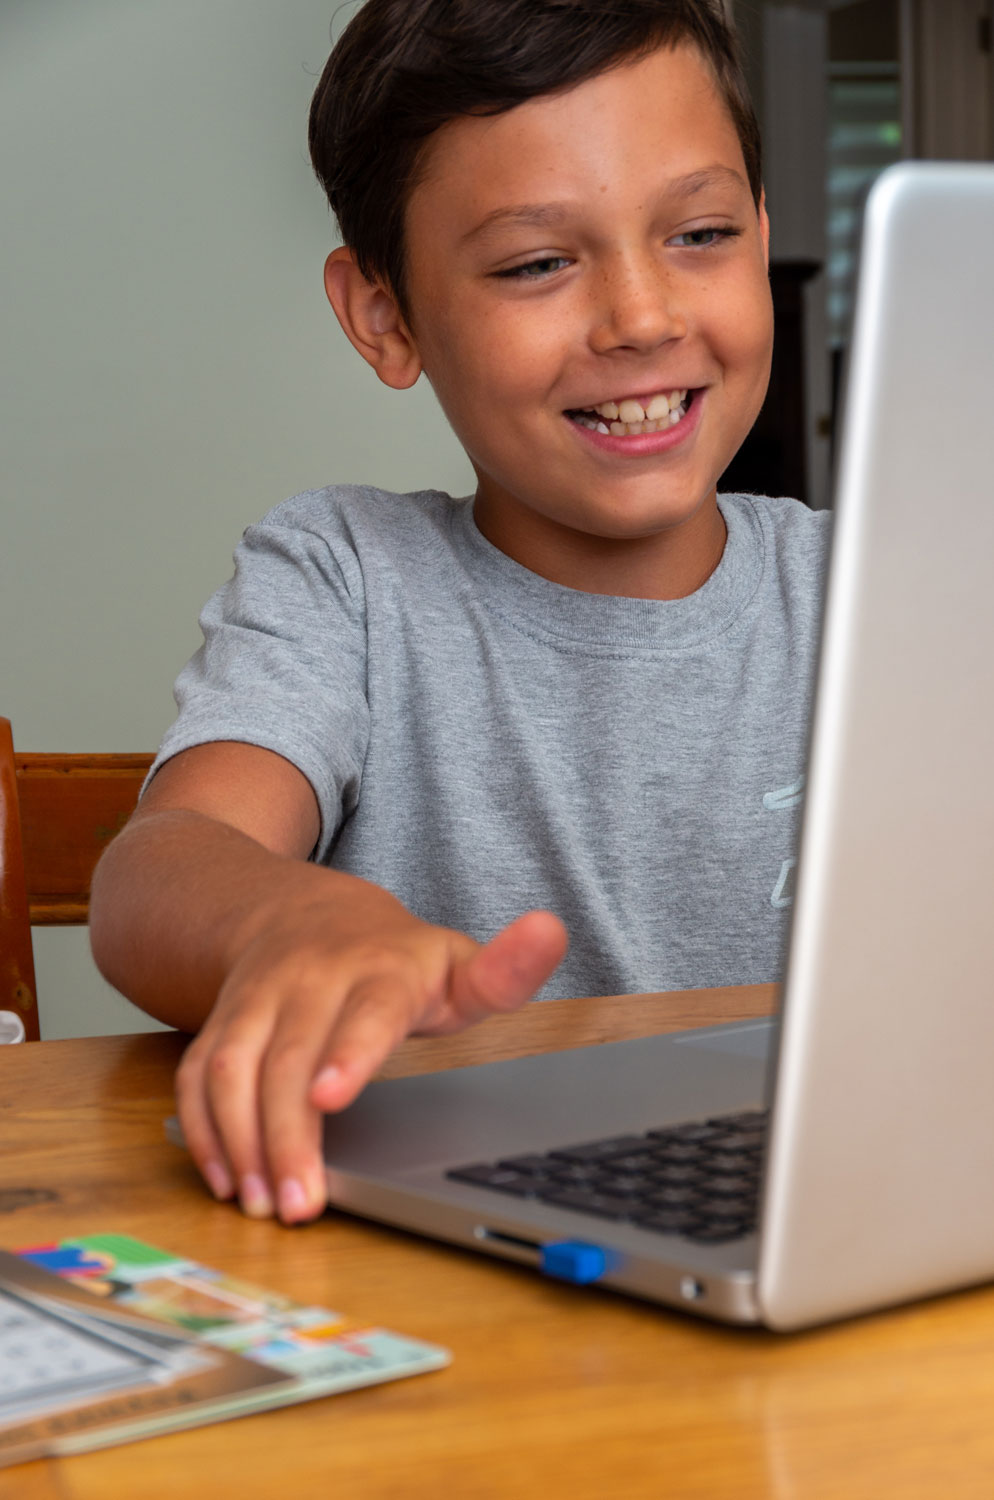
(842, 1159)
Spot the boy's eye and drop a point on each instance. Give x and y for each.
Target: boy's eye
(702, 239)
(533, 270)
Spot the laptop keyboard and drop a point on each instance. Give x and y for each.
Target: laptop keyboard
(699, 1180)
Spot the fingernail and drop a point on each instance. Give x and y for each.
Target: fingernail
(255, 1197)
(218, 1180)
(329, 1076)
(329, 1080)
(292, 1200)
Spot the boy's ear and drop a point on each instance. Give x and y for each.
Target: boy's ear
(372, 321)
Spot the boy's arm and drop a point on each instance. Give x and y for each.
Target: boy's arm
(300, 979)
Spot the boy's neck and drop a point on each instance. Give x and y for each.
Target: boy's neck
(670, 564)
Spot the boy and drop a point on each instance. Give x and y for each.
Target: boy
(576, 701)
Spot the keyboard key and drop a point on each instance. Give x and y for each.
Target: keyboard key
(636, 1162)
(682, 1198)
(667, 1220)
(601, 1204)
(595, 1151)
(744, 1137)
(521, 1184)
(625, 1186)
(572, 1172)
(729, 1211)
(758, 1118)
(676, 1173)
(728, 1186)
(731, 1161)
(674, 1151)
(717, 1234)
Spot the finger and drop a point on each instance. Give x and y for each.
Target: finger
(291, 1123)
(377, 1015)
(231, 1080)
(508, 970)
(202, 1140)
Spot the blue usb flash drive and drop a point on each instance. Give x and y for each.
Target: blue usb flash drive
(573, 1260)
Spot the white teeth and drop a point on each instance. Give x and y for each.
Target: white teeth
(631, 411)
(631, 419)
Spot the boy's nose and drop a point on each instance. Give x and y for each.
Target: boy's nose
(637, 306)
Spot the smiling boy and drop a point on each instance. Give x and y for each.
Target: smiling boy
(573, 703)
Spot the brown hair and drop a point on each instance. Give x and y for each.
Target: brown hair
(403, 68)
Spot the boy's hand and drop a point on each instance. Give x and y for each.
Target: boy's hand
(298, 979)
(305, 1017)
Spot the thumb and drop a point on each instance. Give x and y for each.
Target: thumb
(504, 973)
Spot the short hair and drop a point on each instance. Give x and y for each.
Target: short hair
(403, 68)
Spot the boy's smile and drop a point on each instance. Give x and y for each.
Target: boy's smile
(588, 292)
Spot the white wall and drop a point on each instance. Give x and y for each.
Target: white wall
(170, 367)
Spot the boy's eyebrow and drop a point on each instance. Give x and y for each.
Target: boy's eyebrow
(546, 215)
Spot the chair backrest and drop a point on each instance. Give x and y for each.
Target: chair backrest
(57, 812)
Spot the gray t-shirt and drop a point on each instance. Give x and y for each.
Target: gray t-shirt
(482, 741)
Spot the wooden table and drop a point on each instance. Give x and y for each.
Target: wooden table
(553, 1391)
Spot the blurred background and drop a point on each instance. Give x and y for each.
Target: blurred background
(171, 367)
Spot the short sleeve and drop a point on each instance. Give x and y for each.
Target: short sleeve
(283, 663)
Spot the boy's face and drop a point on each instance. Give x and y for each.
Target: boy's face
(578, 253)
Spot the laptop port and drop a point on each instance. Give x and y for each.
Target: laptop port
(481, 1232)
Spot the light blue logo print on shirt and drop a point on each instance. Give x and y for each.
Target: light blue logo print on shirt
(782, 800)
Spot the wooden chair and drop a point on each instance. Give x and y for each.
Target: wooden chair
(56, 814)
